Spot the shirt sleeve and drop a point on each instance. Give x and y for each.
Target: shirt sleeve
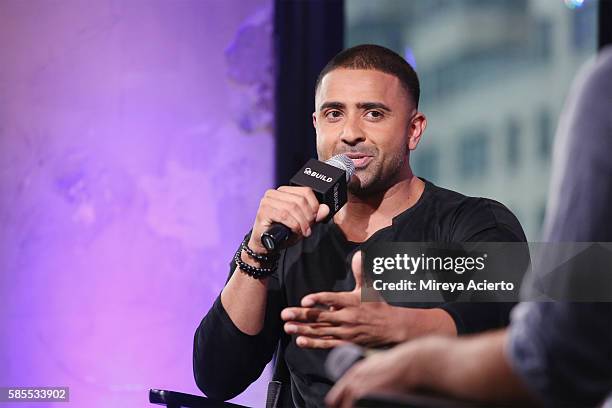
(226, 360)
(484, 221)
(563, 351)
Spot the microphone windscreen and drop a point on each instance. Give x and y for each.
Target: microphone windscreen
(341, 358)
(342, 162)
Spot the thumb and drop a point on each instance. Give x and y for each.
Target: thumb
(356, 266)
(323, 212)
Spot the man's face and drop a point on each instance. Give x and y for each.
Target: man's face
(368, 116)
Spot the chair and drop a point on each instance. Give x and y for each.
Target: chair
(279, 392)
(279, 396)
(173, 399)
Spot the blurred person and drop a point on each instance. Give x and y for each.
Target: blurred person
(366, 106)
(554, 353)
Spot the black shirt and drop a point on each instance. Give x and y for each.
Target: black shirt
(227, 360)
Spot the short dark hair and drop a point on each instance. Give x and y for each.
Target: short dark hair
(376, 57)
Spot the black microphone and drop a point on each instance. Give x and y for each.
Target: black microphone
(341, 358)
(328, 180)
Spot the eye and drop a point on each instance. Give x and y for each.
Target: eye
(374, 115)
(333, 115)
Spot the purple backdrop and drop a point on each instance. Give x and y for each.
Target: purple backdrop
(134, 148)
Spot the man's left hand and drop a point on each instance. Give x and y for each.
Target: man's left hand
(328, 319)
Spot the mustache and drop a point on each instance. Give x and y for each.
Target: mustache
(368, 151)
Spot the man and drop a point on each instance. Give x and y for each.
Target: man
(554, 353)
(366, 106)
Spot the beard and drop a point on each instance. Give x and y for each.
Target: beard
(376, 177)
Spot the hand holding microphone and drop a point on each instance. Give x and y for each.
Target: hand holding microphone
(296, 208)
(286, 214)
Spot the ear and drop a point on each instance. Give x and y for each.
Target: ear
(314, 119)
(417, 127)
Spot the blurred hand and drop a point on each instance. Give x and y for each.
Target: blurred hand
(472, 368)
(395, 371)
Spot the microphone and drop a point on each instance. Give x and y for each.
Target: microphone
(328, 180)
(341, 358)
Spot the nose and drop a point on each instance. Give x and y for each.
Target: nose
(352, 133)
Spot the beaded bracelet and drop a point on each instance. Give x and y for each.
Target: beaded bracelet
(257, 273)
(259, 257)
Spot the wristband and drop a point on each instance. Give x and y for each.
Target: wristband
(259, 257)
(257, 273)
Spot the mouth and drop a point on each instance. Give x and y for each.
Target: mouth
(360, 160)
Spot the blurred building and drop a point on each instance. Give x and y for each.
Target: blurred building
(494, 75)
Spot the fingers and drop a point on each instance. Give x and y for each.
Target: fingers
(344, 392)
(301, 314)
(304, 192)
(337, 299)
(317, 343)
(356, 267)
(322, 212)
(316, 315)
(295, 207)
(320, 330)
(298, 203)
(283, 206)
(337, 395)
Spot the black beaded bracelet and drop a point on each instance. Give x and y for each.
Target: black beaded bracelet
(255, 255)
(257, 273)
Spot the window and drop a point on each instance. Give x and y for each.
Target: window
(542, 47)
(544, 134)
(426, 163)
(584, 32)
(541, 214)
(502, 62)
(513, 144)
(474, 155)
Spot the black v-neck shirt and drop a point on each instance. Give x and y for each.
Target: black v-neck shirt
(227, 360)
